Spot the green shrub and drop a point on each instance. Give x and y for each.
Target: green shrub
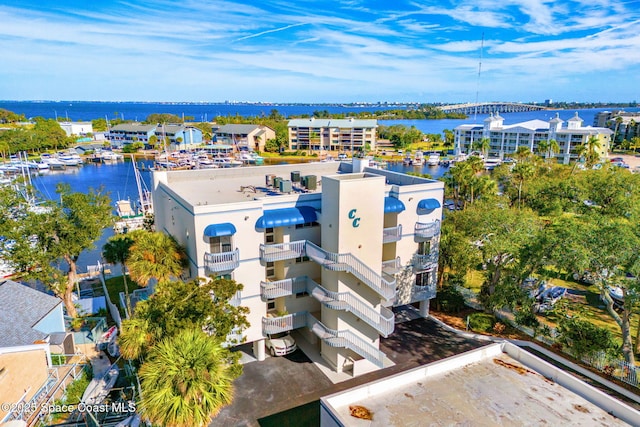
(582, 337)
(449, 300)
(58, 359)
(527, 318)
(481, 322)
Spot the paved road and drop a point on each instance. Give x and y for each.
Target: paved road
(281, 383)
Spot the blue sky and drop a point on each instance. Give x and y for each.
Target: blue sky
(320, 51)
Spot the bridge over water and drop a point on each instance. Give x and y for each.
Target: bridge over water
(490, 107)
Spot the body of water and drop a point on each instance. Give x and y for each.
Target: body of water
(138, 111)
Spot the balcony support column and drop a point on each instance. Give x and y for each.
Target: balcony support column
(424, 308)
(259, 350)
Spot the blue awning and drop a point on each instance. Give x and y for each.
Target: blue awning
(391, 204)
(218, 230)
(286, 216)
(427, 206)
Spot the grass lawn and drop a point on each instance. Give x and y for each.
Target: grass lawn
(115, 285)
(581, 299)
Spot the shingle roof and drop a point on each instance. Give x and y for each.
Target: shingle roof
(241, 129)
(21, 308)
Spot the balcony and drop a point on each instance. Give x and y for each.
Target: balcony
(392, 266)
(427, 230)
(289, 322)
(282, 251)
(427, 262)
(392, 234)
(283, 288)
(221, 262)
(423, 293)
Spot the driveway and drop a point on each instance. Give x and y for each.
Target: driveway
(281, 383)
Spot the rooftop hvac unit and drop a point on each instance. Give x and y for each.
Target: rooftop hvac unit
(295, 176)
(276, 182)
(311, 182)
(269, 180)
(285, 186)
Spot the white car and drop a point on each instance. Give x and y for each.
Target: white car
(280, 344)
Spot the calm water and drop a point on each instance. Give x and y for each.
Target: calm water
(116, 179)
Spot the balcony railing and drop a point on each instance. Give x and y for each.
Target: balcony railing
(392, 234)
(425, 262)
(391, 266)
(282, 251)
(382, 321)
(283, 288)
(427, 230)
(333, 338)
(383, 284)
(289, 322)
(422, 293)
(224, 261)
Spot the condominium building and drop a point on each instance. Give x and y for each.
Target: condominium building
(624, 124)
(325, 248)
(332, 134)
(504, 140)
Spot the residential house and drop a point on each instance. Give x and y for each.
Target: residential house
(244, 136)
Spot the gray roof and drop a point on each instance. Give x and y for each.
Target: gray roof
(333, 123)
(239, 129)
(127, 127)
(21, 308)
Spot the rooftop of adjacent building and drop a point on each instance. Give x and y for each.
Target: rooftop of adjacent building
(247, 184)
(490, 386)
(21, 308)
(536, 125)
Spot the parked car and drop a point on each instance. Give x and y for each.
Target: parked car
(280, 344)
(342, 156)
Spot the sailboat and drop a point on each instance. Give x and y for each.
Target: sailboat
(130, 218)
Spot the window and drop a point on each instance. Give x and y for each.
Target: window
(269, 236)
(270, 270)
(302, 294)
(423, 279)
(302, 259)
(424, 248)
(271, 304)
(307, 224)
(220, 244)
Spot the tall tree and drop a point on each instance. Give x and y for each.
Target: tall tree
(56, 236)
(186, 380)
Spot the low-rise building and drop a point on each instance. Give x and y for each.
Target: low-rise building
(326, 248)
(351, 135)
(169, 136)
(244, 136)
(77, 128)
(504, 140)
(30, 322)
(624, 124)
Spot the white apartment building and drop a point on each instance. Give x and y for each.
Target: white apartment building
(326, 248)
(505, 139)
(332, 134)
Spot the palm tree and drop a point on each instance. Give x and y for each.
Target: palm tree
(543, 148)
(136, 336)
(116, 251)
(155, 255)
(483, 145)
(554, 147)
(592, 156)
(186, 380)
(580, 150)
(521, 173)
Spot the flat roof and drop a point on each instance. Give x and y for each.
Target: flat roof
(499, 384)
(244, 184)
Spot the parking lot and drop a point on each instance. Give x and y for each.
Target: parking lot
(281, 383)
